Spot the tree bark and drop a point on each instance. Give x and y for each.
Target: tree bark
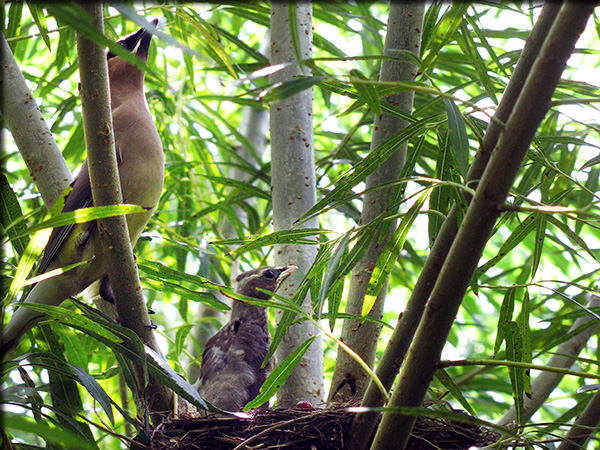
(584, 426)
(531, 107)
(395, 352)
(25, 121)
(403, 33)
(106, 190)
(294, 190)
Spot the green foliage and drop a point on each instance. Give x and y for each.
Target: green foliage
(216, 212)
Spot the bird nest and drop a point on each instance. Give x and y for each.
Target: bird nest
(299, 429)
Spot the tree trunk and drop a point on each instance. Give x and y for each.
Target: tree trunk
(294, 190)
(408, 321)
(403, 33)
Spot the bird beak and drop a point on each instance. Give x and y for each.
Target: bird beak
(286, 273)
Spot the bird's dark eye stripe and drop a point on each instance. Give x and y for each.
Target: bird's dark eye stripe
(268, 273)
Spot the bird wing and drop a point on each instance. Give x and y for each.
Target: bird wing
(80, 197)
(254, 339)
(231, 362)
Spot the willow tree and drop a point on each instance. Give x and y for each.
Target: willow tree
(383, 122)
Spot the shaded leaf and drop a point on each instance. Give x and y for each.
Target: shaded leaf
(458, 136)
(95, 390)
(448, 382)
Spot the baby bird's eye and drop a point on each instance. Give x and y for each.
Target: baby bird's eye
(268, 274)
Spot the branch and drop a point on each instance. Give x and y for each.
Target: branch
(30, 131)
(106, 190)
(531, 107)
(408, 321)
(584, 425)
(403, 34)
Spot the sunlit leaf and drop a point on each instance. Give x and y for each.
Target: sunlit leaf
(281, 373)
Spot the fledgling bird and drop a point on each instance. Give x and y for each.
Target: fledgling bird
(141, 170)
(230, 373)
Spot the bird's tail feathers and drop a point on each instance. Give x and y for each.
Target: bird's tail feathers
(47, 292)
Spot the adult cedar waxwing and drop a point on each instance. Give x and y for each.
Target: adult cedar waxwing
(230, 373)
(141, 170)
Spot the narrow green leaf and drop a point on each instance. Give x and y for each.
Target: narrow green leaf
(367, 165)
(390, 254)
(521, 232)
(15, 14)
(75, 16)
(444, 32)
(293, 23)
(161, 271)
(367, 92)
(32, 253)
(592, 162)
(483, 40)
(95, 390)
(506, 314)
(444, 378)
(458, 137)
(142, 21)
(241, 186)
(83, 215)
(441, 197)
(40, 21)
(281, 373)
(286, 89)
(334, 302)
(20, 424)
(183, 331)
(188, 294)
(465, 39)
(10, 213)
(62, 384)
(540, 234)
(331, 273)
(514, 346)
(303, 236)
(78, 321)
(288, 317)
(576, 238)
(526, 355)
(162, 370)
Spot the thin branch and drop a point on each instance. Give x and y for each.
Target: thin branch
(106, 190)
(584, 426)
